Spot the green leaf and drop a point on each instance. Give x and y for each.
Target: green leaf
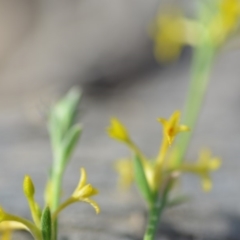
(141, 180)
(63, 114)
(70, 142)
(46, 224)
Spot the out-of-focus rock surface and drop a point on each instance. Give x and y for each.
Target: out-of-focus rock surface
(58, 44)
(59, 41)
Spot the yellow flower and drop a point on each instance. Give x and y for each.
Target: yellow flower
(82, 193)
(124, 167)
(230, 12)
(172, 127)
(225, 21)
(168, 35)
(170, 32)
(203, 167)
(117, 131)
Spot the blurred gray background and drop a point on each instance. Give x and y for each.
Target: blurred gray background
(48, 46)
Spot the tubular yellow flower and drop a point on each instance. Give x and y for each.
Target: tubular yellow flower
(82, 193)
(205, 165)
(170, 32)
(117, 131)
(168, 37)
(124, 167)
(225, 21)
(172, 127)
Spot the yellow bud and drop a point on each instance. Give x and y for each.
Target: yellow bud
(28, 187)
(118, 131)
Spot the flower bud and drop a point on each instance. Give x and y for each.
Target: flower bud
(28, 187)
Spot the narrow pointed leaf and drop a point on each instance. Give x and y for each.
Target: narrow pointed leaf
(46, 224)
(141, 180)
(70, 142)
(63, 114)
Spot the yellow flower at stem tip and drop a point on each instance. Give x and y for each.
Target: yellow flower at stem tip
(84, 190)
(118, 131)
(171, 127)
(205, 165)
(82, 193)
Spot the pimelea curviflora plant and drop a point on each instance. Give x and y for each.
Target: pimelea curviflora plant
(215, 23)
(64, 134)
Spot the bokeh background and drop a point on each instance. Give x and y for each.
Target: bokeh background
(48, 46)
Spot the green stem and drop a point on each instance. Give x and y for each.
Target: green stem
(202, 63)
(32, 206)
(62, 206)
(155, 213)
(56, 181)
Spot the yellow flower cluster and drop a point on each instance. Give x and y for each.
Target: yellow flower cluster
(9, 222)
(171, 31)
(163, 166)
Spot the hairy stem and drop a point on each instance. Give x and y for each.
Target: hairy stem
(156, 211)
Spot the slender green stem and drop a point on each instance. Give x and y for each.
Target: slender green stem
(32, 206)
(56, 186)
(62, 206)
(156, 211)
(202, 63)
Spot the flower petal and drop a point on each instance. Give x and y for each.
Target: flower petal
(92, 203)
(82, 181)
